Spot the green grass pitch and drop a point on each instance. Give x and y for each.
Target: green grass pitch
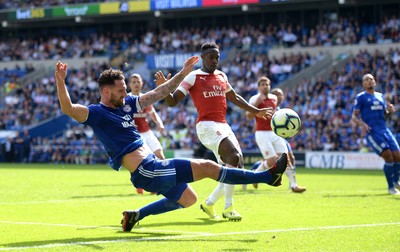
(78, 208)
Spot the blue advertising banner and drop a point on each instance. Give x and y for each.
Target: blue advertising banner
(172, 61)
(173, 4)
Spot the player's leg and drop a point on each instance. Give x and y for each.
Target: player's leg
(379, 143)
(396, 175)
(211, 134)
(153, 143)
(159, 153)
(265, 144)
(291, 171)
(231, 155)
(180, 196)
(208, 204)
(155, 175)
(389, 170)
(395, 151)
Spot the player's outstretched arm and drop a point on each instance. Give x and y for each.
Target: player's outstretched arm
(172, 99)
(76, 111)
(358, 122)
(243, 104)
(255, 101)
(156, 119)
(170, 85)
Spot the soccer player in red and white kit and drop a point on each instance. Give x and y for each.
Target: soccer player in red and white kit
(270, 144)
(142, 125)
(209, 89)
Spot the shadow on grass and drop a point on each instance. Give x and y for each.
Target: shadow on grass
(204, 222)
(135, 235)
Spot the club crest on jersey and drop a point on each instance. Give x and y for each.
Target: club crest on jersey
(165, 162)
(127, 109)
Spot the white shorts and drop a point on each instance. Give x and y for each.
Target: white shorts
(212, 133)
(151, 140)
(269, 143)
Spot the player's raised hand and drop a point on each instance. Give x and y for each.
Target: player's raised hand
(265, 113)
(159, 78)
(390, 108)
(189, 64)
(61, 71)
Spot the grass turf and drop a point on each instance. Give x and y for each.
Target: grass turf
(78, 208)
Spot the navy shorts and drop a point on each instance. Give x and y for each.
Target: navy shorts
(381, 141)
(168, 177)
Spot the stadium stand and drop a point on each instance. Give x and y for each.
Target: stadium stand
(324, 103)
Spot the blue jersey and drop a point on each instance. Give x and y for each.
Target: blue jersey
(372, 110)
(115, 128)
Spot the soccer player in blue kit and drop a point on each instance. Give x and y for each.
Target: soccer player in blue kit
(373, 109)
(112, 122)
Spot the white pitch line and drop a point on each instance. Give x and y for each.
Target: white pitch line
(93, 227)
(51, 224)
(203, 235)
(56, 201)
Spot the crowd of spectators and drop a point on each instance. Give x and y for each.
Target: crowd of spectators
(325, 105)
(84, 43)
(37, 99)
(330, 32)
(67, 45)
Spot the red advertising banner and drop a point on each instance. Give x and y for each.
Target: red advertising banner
(227, 2)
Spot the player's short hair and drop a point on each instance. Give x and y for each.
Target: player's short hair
(367, 75)
(263, 78)
(107, 77)
(136, 75)
(276, 90)
(209, 45)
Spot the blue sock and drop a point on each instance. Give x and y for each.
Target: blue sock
(255, 165)
(396, 172)
(242, 176)
(158, 207)
(388, 169)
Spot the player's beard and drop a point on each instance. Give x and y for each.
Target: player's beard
(117, 101)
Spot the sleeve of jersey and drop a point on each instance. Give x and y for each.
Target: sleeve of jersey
(133, 101)
(187, 83)
(253, 99)
(92, 118)
(228, 85)
(357, 104)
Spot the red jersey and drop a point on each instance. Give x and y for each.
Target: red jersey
(208, 93)
(271, 101)
(141, 119)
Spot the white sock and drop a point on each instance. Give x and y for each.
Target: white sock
(228, 195)
(263, 166)
(291, 174)
(215, 195)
